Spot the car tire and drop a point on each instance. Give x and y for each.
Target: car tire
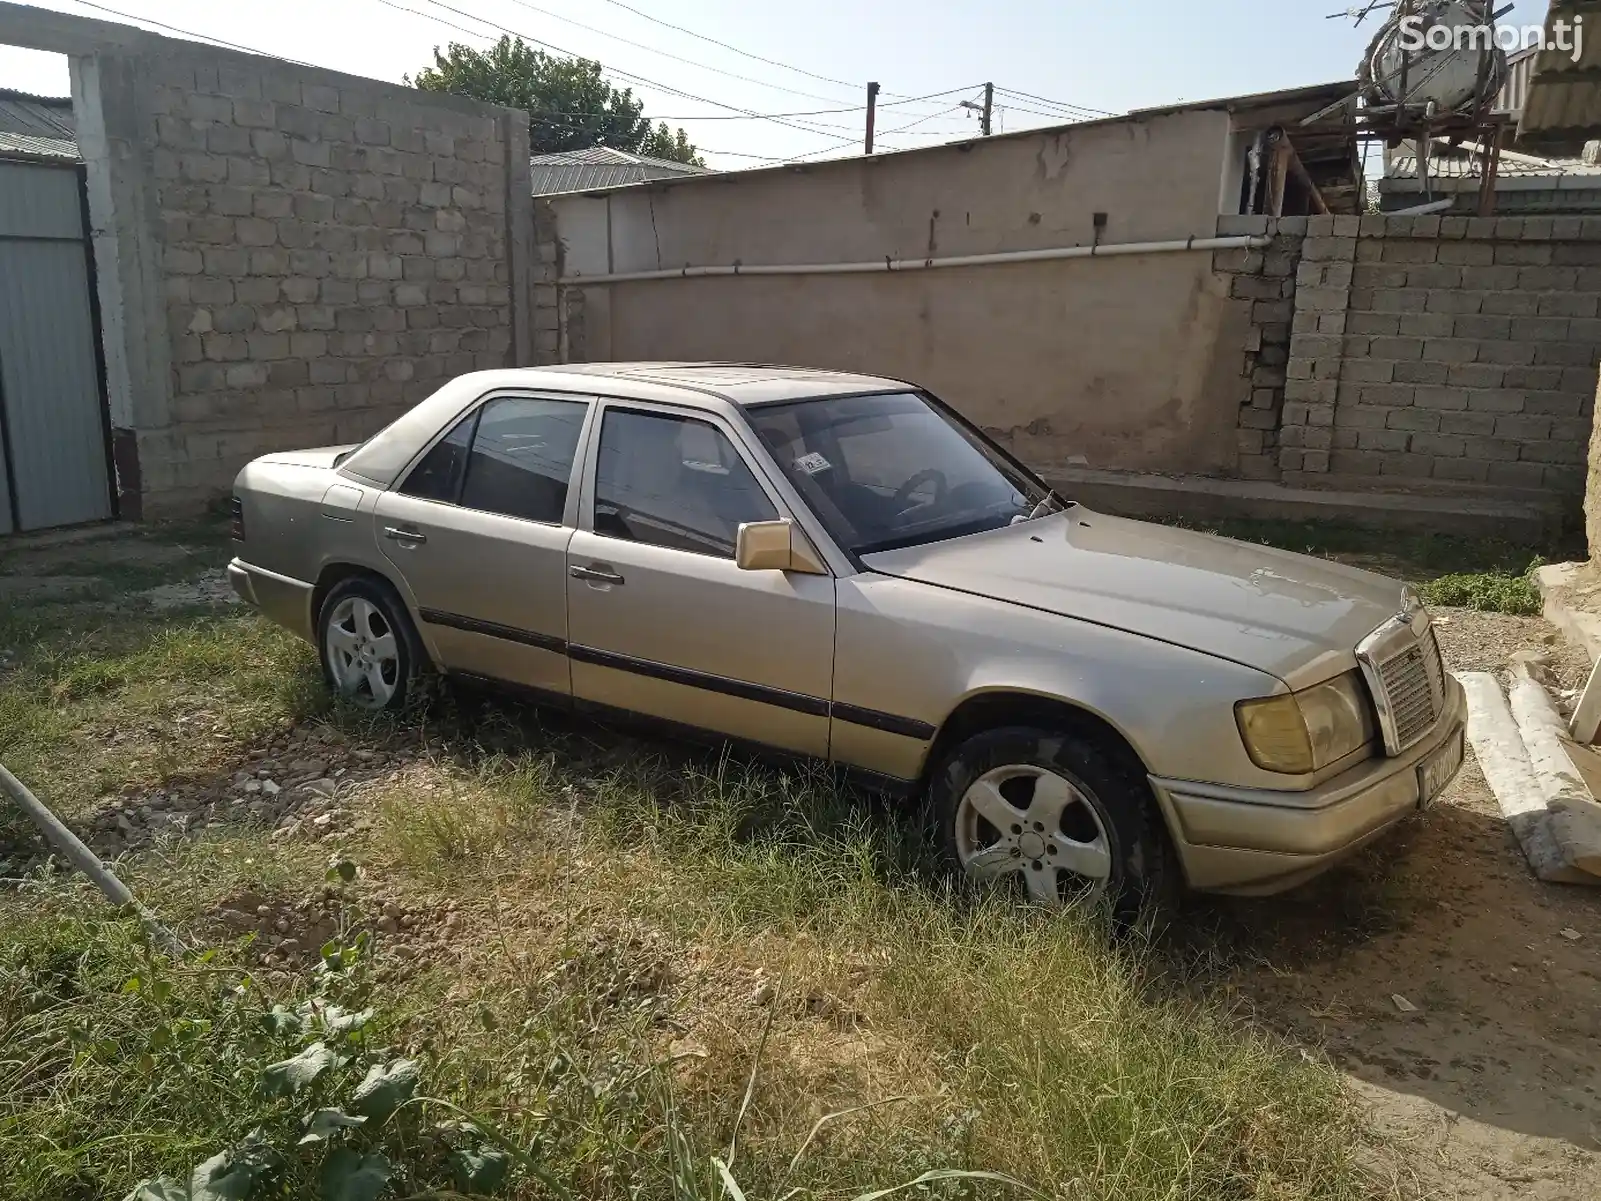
(369, 649)
(1058, 811)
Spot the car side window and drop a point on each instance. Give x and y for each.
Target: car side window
(675, 482)
(521, 462)
(438, 476)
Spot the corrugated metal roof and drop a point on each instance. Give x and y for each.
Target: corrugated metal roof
(1462, 166)
(37, 116)
(1563, 108)
(600, 167)
(22, 144)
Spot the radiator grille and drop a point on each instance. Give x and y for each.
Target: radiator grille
(1414, 683)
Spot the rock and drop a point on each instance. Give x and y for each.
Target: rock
(1403, 1004)
(1571, 934)
(271, 787)
(309, 767)
(388, 925)
(323, 787)
(322, 820)
(252, 785)
(762, 994)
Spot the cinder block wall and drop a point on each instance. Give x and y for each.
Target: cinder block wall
(1444, 354)
(314, 252)
(1265, 280)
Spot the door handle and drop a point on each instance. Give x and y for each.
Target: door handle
(596, 572)
(398, 535)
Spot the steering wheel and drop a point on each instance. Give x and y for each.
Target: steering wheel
(902, 500)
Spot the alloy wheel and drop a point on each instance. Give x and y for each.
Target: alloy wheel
(363, 653)
(1022, 820)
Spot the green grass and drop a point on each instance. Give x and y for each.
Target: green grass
(616, 904)
(595, 1014)
(1487, 574)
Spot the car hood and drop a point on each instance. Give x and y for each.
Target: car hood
(319, 456)
(1292, 616)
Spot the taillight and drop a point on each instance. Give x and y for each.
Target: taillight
(237, 528)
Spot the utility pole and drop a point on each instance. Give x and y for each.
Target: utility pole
(872, 109)
(985, 110)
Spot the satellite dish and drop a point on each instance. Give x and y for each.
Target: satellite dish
(1436, 49)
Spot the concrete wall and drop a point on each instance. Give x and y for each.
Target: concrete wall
(1113, 362)
(1455, 354)
(286, 256)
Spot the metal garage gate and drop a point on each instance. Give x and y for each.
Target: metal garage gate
(53, 438)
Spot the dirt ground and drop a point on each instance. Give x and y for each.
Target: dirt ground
(1494, 1082)
(1485, 1084)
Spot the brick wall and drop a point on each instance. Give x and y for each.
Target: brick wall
(1266, 281)
(1445, 354)
(546, 271)
(327, 251)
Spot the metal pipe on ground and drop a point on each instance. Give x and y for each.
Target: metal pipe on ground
(1175, 246)
(85, 860)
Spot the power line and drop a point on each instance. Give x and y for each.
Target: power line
(1059, 118)
(639, 79)
(668, 54)
(188, 33)
(771, 62)
(811, 127)
(903, 128)
(1055, 103)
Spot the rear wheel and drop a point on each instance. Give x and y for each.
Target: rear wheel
(1055, 815)
(368, 646)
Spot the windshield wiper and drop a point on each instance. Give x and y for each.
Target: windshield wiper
(1054, 502)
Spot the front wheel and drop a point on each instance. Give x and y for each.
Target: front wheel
(1056, 814)
(369, 650)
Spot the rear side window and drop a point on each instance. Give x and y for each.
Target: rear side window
(521, 462)
(674, 481)
(438, 476)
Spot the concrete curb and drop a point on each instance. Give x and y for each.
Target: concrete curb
(1574, 818)
(1564, 587)
(1509, 770)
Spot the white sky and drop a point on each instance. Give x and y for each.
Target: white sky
(1111, 55)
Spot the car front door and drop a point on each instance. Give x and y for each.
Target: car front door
(661, 619)
(479, 530)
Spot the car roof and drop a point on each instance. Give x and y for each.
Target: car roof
(710, 386)
(682, 383)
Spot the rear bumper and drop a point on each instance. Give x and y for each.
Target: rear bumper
(1258, 842)
(283, 598)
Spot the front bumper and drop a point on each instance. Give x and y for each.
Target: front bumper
(282, 598)
(1256, 842)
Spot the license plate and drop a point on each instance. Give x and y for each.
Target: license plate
(1437, 771)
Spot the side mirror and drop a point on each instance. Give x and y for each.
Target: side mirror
(775, 546)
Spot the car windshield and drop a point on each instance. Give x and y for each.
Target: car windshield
(895, 469)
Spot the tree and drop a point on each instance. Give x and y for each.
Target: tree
(569, 103)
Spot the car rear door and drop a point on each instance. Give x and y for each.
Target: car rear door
(661, 619)
(478, 528)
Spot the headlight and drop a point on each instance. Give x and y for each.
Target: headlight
(1305, 732)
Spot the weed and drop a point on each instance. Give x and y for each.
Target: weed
(1489, 592)
(1487, 574)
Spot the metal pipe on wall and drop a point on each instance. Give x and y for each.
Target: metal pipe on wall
(1116, 249)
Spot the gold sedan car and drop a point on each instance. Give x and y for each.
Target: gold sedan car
(841, 567)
